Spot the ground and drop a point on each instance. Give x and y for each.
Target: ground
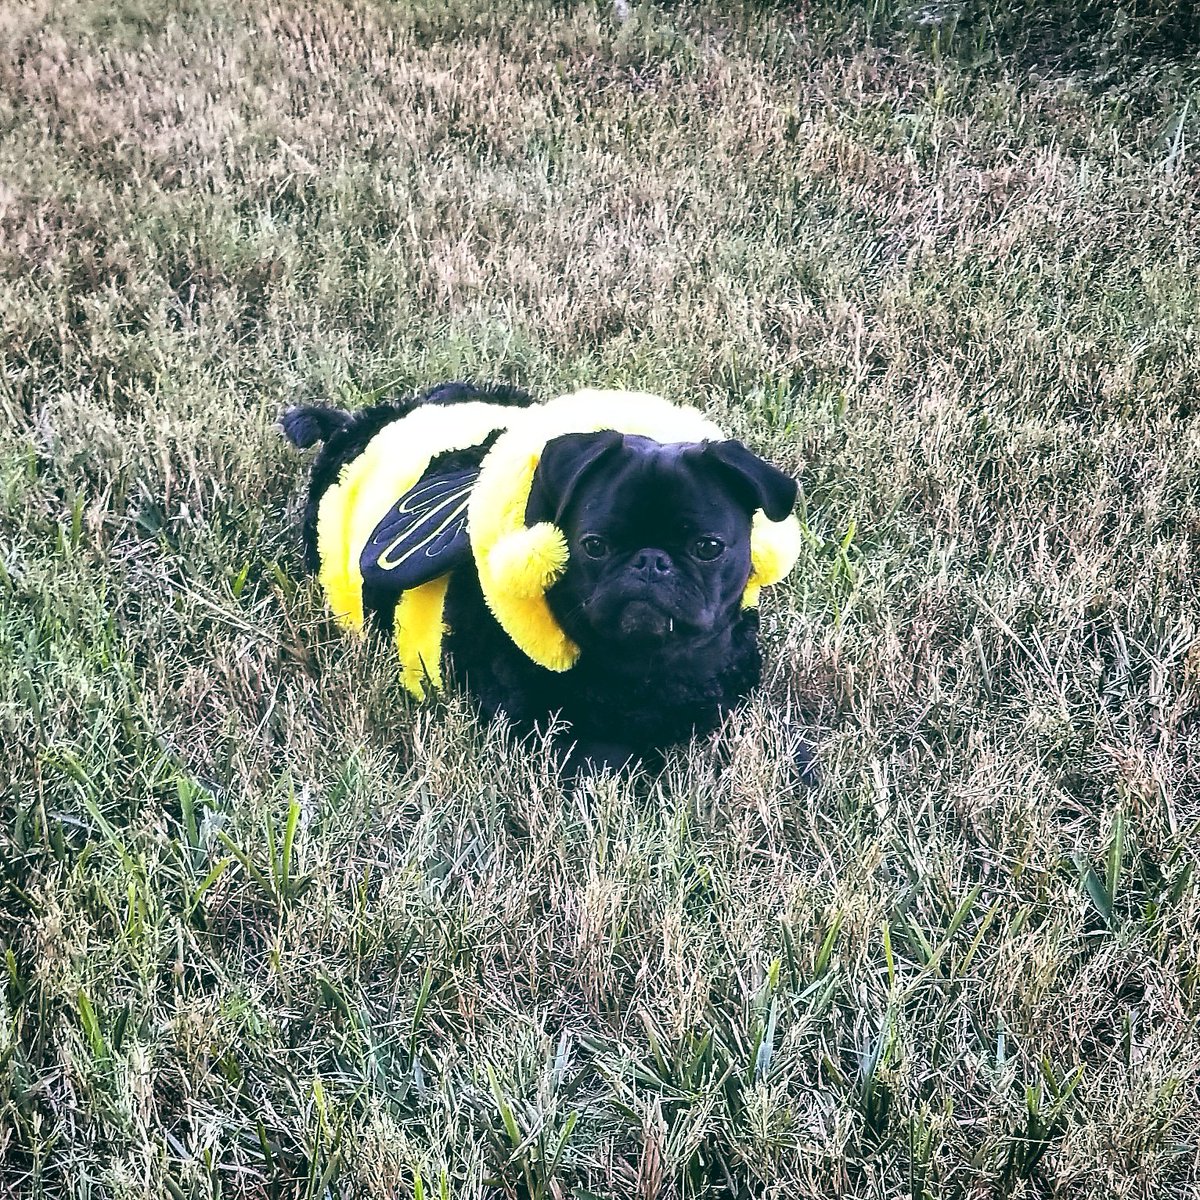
(271, 929)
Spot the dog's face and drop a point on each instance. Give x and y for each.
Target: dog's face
(659, 536)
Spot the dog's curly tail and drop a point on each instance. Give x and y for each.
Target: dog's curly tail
(309, 424)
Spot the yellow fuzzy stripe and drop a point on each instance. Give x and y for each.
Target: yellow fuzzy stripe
(392, 462)
(418, 632)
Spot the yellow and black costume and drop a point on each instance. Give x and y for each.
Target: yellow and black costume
(431, 486)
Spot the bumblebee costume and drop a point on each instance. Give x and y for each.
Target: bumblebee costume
(432, 486)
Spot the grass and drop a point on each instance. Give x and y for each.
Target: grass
(269, 929)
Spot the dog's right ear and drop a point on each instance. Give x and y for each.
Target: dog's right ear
(564, 462)
(310, 424)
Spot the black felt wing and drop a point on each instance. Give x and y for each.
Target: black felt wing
(424, 534)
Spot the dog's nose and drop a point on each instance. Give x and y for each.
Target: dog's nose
(652, 563)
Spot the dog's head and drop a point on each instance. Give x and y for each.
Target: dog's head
(659, 535)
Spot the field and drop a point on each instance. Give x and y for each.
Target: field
(271, 929)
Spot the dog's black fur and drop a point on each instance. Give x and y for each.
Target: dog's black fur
(666, 650)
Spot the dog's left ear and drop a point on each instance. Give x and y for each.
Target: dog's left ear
(765, 486)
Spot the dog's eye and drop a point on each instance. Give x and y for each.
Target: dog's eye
(594, 546)
(708, 548)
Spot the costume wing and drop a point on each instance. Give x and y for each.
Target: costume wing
(424, 534)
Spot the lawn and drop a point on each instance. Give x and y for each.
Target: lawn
(270, 928)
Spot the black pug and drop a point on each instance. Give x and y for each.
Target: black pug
(649, 596)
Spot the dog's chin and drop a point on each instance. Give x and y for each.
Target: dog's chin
(641, 627)
(624, 627)
(643, 623)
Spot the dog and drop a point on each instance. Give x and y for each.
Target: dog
(595, 560)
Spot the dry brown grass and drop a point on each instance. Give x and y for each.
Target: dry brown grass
(272, 930)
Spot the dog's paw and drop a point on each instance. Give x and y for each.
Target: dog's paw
(586, 759)
(805, 765)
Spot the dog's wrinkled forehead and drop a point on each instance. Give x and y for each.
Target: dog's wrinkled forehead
(611, 470)
(651, 482)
